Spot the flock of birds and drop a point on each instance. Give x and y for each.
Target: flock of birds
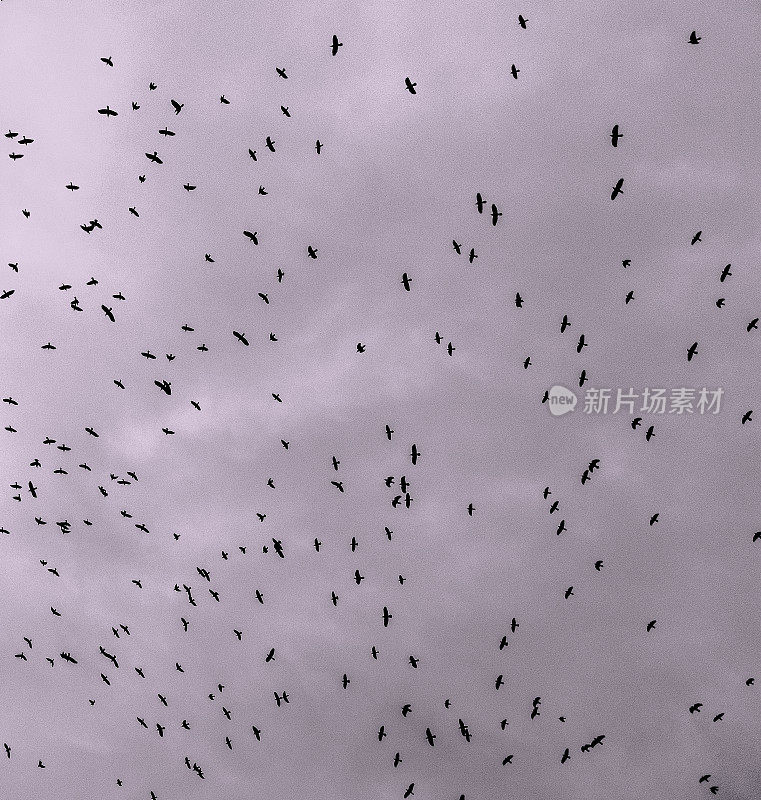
(206, 585)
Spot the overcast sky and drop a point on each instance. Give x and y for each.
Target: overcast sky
(394, 184)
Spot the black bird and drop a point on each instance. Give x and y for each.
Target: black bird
(108, 61)
(406, 281)
(495, 214)
(414, 454)
(107, 112)
(522, 21)
(318, 146)
(335, 45)
(224, 100)
(514, 71)
(694, 38)
(410, 86)
(270, 144)
(281, 72)
(615, 136)
(251, 236)
(617, 190)
(692, 350)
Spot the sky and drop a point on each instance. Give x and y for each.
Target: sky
(394, 185)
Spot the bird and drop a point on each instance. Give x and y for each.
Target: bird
(694, 38)
(617, 189)
(410, 86)
(335, 45)
(692, 351)
(514, 71)
(522, 21)
(615, 136)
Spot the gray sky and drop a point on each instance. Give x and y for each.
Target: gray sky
(395, 183)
